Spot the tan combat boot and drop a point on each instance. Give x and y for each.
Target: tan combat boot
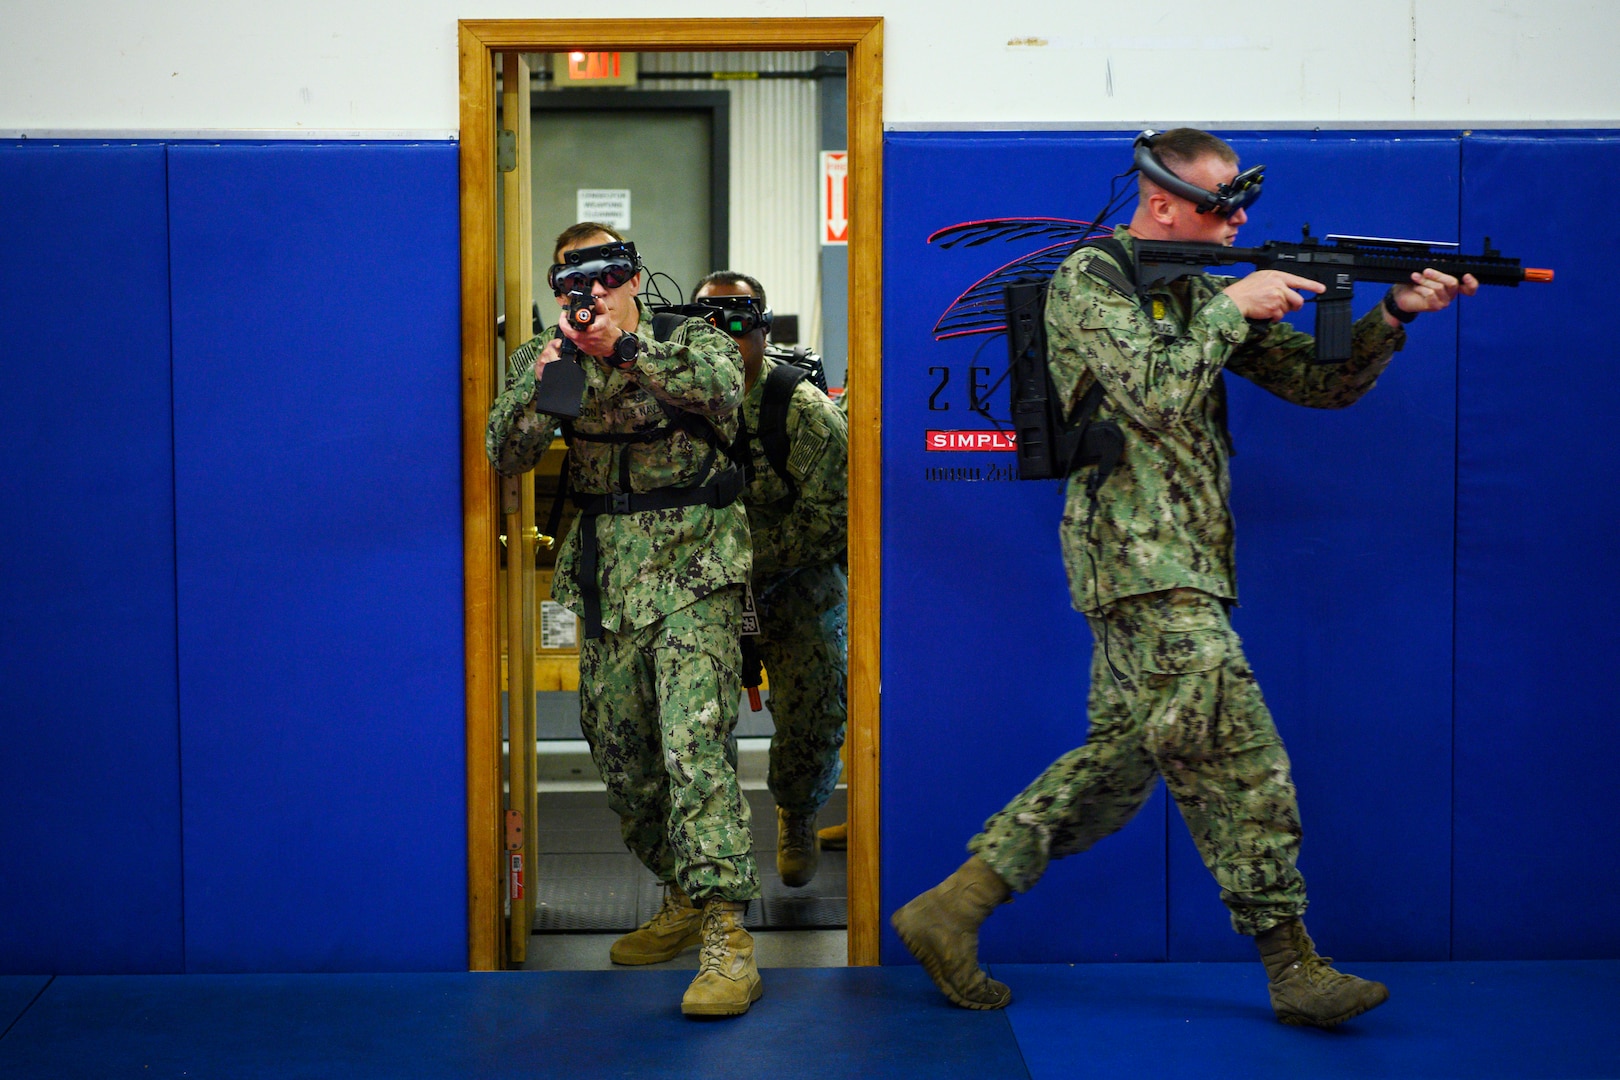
(941, 928)
(1304, 989)
(797, 847)
(834, 837)
(677, 927)
(727, 980)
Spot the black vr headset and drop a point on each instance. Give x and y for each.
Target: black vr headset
(736, 315)
(611, 264)
(1241, 191)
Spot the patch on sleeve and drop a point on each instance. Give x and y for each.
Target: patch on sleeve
(808, 448)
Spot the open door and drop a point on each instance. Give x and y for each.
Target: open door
(499, 920)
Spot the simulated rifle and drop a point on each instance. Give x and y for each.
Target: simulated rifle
(1337, 262)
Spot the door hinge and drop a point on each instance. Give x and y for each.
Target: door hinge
(514, 830)
(506, 151)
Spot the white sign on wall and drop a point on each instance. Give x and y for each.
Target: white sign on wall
(835, 196)
(610, 206)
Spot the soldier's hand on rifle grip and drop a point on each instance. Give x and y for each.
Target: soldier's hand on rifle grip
(597, 337)
(1270, 294)
(1430, 291)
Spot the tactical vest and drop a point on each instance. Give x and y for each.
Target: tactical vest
(721, 491)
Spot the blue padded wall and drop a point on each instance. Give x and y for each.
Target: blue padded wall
(317, 449)
(1537, 854)
(1345, 526)
(90, 876)
(985, 668)
(1345, 539)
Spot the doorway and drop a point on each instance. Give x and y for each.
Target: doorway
(860, 40)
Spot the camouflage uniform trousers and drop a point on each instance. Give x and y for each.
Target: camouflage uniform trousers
(1188, 709)
(658, 706)
(802, 644)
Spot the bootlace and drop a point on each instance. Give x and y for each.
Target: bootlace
(798, 832)
(713, 954)
(668, 911)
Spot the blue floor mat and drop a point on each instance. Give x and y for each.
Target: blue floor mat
(813, 1023)
(1520, 1020)
(16, 991)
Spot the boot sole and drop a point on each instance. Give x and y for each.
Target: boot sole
(930, 964)
(723, 1008)
(1300, 1020)
(796, 881)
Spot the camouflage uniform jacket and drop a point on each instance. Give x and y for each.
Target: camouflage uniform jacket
(813, 528)
(654, 562)
(1163, 519)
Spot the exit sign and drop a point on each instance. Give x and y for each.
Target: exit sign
(593, 69)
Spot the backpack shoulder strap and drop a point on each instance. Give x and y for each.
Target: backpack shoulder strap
(1119, 271)
(773, 410)
(664, 324)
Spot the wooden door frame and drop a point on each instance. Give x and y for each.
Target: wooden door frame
(480, 40)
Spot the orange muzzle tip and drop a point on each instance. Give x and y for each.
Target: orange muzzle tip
(1532, 273)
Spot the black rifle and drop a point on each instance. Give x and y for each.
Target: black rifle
(1337, 262)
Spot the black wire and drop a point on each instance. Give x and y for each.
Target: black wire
(1096, 587)
(1117, 201)
(982, 408)
(652, 289)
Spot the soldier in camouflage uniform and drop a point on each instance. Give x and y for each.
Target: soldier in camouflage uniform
(1150, 565)
(661, 589)
(800, 533)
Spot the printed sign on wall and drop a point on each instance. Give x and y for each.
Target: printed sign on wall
(610, 206)
(834, 197)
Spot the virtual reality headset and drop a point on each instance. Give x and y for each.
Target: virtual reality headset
(611, 264)
(736, 315)
(1241, 191)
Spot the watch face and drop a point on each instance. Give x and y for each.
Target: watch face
(627, 347)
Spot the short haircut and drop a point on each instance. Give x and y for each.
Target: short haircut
(1182, 146)
(731, 277)
(584, 230)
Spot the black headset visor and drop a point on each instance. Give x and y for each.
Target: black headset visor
(1234, 195)
(736, 315)
(611, 264)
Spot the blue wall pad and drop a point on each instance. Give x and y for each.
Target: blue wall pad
(1345, 538)
(985, 668)
(1213, 1021)
(317, 450)
(1537, 854)
(90, 873)
(824, 1024)
(1344, 569)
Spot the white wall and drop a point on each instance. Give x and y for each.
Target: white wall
(380, 68)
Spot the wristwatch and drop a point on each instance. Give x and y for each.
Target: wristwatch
(1402, 317)
(625, 350)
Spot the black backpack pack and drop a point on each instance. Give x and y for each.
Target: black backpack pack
(1050, 446)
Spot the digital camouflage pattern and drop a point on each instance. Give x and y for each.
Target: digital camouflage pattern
(802, 642)
(657, 705)
(791, 533)
(1163, 519)
(658, 690)
(656, 561)
(800, 590)
(1188, 709)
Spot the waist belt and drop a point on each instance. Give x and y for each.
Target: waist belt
(725, 489)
